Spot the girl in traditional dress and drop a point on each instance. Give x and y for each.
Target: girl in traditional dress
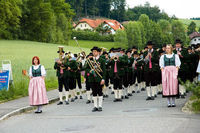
(37, 89)
(170, 64)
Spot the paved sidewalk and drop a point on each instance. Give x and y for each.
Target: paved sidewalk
(21, 105)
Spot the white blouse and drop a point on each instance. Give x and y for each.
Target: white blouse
(177, 60)
(43, 71)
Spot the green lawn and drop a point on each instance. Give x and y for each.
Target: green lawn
(188, 21)
(90, 44)
(21, 52)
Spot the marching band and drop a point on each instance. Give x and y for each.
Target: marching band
(156, 71)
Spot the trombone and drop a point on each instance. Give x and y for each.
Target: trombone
(89, 62)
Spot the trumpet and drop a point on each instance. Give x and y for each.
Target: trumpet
(91, 64)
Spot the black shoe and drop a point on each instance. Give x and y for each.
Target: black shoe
(38, 112)
(155, 96)
(81, 97)
(88, 101)
(122, 97)
(66, 102)
(138, 91)
(112, 92)
(107, 96)
(60, 103)
(130, 95)
(115, 100)
(148, 98)
(94, 109)
(76, 97)
(173, 105)
(152, 98)
(72, 100)
(120, 100)
(159, 93)
(142, 89)
(182, 96)
(185, 94)
(133, 91)
(126, 97)
(100, 109)
(109, 87)
(169, 105)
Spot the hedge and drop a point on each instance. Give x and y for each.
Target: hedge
(93, 36)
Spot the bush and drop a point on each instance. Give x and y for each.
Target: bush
(195, 89)
(93, 36)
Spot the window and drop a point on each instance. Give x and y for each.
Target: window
(85, 25)
(195, 39)
(81, 25)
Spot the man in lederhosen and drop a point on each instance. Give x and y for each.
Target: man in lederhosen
(96, 78)
(151, 70)
(137, 74)
(117, 72)
(78, 76)
(62, 74)
(184, 69)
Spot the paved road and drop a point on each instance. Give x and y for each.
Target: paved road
(131, 116)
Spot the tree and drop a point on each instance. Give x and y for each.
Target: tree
(118, 11)
(143, 35)
(134, 34)
(120, 39)
(156, 34)
(144, 19)
(10, 14)
(178, 30)
(166, 28)
(191, 28)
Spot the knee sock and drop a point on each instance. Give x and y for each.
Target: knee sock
(120, 94)
(95, 101)
(116, 94)
(60, 96)
(100, 101)
(88, 95)
(67, 95)
(148, 91)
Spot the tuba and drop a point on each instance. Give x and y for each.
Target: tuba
(60, 51)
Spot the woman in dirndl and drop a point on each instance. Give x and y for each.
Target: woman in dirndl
(170, 64)
(37, 89)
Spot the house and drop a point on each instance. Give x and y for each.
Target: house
(92, 24)
(194, 38)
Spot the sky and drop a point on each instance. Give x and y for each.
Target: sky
(179, 8)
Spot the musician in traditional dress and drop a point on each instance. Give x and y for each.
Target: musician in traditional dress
(61, 67)
(37, 89)
(96, 77)
(169, 65)
(151, 68)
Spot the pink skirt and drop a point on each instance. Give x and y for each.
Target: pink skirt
(37, 91)
(170, 81)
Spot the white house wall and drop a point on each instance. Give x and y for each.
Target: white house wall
(195, 40)
(83, 26)
(112, 30)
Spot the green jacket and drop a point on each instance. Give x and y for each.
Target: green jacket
(184, 58)
(74, 66)
(65, 71)
(130, 63)
(154, 60)
(139, 65)
(91, 74)
(120, 67)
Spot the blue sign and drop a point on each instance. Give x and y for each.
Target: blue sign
(4, 80)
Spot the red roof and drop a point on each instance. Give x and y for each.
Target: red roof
(95, 23)
(114, 24)
(194, 34)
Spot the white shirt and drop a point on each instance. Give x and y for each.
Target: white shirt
(43, 71)
(198, 68)
(177, 60)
